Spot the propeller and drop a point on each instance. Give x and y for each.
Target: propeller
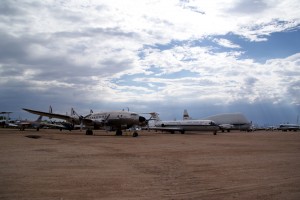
(80, 117)
(154, 115)
(105, 120)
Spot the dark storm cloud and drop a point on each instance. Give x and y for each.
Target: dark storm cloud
(12, 47)
(10, 71)
(10, 8)
(16, 58)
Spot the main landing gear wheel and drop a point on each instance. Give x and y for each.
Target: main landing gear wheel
(135, 134)
(89, 132)
(119, 133)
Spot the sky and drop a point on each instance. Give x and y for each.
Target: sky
(208, 57)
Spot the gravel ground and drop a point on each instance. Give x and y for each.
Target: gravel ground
(51, 164)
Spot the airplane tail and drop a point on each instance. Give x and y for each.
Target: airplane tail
(186, 115)
(50, 111)
(73, 113)
(39, 119)
(154, 116)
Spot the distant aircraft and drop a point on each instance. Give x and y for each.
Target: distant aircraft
(289, 127)
(182, 125)
(115, 120)
(186, 115)
(5, 122)
(22, 124)
(227, 121)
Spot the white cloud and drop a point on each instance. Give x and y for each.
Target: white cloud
(85, 49)
(226, 43)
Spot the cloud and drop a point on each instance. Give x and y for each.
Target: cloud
(116, 53)
(249, 6)
(226, 43)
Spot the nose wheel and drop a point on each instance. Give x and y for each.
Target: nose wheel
(89, 132)
(119, 133)
(135, 134)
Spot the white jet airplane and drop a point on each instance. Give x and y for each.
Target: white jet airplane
(227, 121)
(289, 127)
(112, 120)
(182, 125)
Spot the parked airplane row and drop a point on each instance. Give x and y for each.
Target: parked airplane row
(229, 121)
(113, 120)
(37, 124)
(120, 120)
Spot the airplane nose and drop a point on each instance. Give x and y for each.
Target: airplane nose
(142, 119)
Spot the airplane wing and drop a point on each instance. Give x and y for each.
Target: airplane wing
(58, 126)
(60, 116)
(12, 125)
(51, 115)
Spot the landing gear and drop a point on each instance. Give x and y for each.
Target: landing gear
(135, 134)
(119, 133)
(182, 132)
(89, 132)
(215, 132)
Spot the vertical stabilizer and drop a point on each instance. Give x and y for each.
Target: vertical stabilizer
(39, 119)
(73, 113)
(186, 115)
(154, 116)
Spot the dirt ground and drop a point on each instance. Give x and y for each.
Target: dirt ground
(70, 165)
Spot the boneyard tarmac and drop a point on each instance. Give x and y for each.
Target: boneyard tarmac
(51, 164)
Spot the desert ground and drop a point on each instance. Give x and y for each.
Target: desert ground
(53, 164)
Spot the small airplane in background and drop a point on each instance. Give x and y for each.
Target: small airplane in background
(227, 121)
(289, 127)
(22, 124)
(182, 125)
(5, 120)
(112, 120)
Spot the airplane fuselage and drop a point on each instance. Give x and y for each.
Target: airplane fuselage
(289, 127)
(189, 125)
(119, 119)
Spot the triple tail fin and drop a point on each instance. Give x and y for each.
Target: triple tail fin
(186, 115)
(154, 116)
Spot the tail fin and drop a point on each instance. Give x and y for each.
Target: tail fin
(39, 119)
(73, 113)
(50, 111)
(186, 115)
(154, 116)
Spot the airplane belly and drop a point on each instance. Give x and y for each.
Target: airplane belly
(200, 128)
(121, 122)
(241, 127)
